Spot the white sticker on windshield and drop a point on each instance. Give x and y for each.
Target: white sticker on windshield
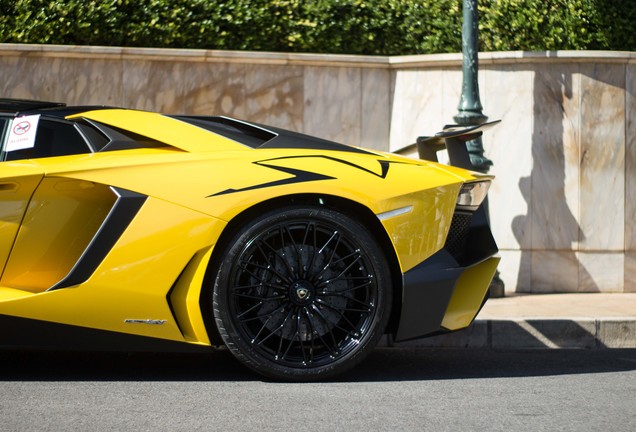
(22, 133)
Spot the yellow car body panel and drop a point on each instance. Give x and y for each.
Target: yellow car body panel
(164, 129)
(185, 299)
(122, 240)
(466, 301)
(429, 188)
(19, 180)
(62, 218)
(133, 281)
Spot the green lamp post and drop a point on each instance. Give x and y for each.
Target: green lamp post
(470, 108)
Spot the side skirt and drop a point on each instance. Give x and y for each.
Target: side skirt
(16, 332)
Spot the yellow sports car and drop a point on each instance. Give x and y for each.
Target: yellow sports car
(131, 230)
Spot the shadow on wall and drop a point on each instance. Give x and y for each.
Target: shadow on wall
(549, 234)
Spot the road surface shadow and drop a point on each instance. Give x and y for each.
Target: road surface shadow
(384, 364)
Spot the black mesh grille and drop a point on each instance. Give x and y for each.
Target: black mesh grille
(457, 234)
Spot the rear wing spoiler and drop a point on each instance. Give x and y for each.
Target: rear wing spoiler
(454, 139)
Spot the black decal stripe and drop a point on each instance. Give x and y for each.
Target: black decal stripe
(384, 165)
(124, 210)
(301, 176)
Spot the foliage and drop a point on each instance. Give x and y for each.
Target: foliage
(382, 27)
(541, 25)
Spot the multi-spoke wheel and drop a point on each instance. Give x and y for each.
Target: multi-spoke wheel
(302, 293)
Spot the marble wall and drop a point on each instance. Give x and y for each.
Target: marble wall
(564, 203)
(563, 207)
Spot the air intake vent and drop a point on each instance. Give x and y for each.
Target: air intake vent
(456, 240)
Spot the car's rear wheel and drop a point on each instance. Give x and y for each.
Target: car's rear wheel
(302, 293)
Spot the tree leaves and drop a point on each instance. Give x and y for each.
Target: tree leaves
(379, 27)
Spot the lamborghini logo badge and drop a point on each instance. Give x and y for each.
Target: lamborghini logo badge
(302, 293)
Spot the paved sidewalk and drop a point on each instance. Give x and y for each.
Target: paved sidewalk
(518, 321)
(568, 306)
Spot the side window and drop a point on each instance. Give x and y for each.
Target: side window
(53, 138)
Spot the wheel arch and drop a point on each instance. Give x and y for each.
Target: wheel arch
(346, 206)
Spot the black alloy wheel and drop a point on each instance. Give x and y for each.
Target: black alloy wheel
(302, 293)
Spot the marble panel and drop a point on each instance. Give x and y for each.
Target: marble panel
(601, 271)
(602, 178)
(417, 106)
(451, 93)
(154, 85)
(214, 89)
(630, 272)
(20, 77)
(95, 81)
(554, 212)
(333, 104)
(75, 81)
(375, 110)
(515, 270)
(618, 333)
(555, 271)
(508, 92)
(630, 159)
(274, 95)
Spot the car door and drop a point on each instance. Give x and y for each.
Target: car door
(45, 221)
(18, 181)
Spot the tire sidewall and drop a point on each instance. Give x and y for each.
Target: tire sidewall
(242, 348)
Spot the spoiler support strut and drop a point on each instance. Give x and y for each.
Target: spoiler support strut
(454, 139)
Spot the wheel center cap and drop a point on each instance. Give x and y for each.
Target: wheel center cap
(301, 292)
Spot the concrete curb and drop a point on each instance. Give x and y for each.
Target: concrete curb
(535, 333)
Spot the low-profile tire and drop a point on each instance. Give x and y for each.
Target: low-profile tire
(302, 293)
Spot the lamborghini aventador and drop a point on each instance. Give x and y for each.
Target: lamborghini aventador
(130, 230)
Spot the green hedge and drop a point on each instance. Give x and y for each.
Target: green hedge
(383, 27)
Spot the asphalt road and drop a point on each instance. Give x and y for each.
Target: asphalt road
(394, 390)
